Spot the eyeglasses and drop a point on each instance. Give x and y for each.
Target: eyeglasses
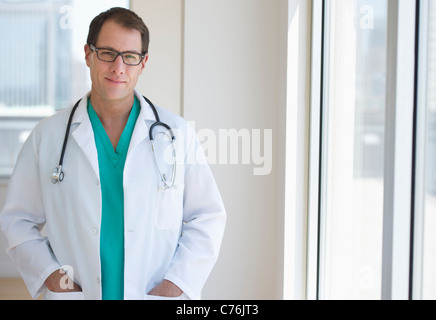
(108, 55)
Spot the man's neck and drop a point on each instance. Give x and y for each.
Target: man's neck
(113, 115)
(112, 110)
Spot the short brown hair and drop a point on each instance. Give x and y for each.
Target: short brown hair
(124, 17)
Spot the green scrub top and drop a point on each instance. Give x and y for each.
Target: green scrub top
(111, 166)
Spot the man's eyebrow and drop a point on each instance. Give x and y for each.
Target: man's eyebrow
(110, 48)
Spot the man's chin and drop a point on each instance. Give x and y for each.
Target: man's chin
(117, 95)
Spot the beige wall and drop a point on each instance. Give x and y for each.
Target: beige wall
(161, 81)
(231, 80)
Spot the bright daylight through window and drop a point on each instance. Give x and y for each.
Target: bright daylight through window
(354, 98)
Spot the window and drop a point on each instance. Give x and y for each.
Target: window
(42, 65)
(355, 50)
(376, 139)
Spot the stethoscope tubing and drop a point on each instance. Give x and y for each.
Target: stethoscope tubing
(58, 175)
(67, 133)
(158, 122)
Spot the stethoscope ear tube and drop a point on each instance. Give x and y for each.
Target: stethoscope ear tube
(167, 184)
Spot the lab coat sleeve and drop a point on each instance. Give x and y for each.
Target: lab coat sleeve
(204, 222)
(22, 219)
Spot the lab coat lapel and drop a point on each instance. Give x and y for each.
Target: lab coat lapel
(139, 133)
(84, 135)
(141, 128)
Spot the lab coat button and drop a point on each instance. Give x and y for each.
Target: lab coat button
(94, 231)
(98, 280)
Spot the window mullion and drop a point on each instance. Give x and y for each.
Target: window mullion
(398, 149)
(315, 153)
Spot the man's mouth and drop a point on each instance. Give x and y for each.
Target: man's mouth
(115, 81)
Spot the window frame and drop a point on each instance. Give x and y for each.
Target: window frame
(315, 150)
(421, 129)
(400, 111)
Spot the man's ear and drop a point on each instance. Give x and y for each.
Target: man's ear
(88, 52)
(144, 61)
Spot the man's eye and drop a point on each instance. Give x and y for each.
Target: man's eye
(108, 53)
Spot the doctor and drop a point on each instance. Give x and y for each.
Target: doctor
(113, 230)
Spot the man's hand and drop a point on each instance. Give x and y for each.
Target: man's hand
(59, 281)
(166, 289)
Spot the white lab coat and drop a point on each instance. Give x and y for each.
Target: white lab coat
(172, 234)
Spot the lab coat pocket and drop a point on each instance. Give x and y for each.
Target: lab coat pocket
(169, 207)
(50, 295)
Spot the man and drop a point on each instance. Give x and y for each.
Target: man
(114, 229)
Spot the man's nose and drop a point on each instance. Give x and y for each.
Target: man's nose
(118, 65)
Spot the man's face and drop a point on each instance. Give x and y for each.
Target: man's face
(115, 80)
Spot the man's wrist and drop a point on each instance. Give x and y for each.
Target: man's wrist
(58, 281)
(166, 289)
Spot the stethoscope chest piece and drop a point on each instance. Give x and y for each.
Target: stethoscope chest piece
(57, 175)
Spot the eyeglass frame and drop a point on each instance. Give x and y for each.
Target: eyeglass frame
(93, 48)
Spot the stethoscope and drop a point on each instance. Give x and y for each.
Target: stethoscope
(58, 174)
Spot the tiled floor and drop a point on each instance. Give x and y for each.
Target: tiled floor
(13, 289)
